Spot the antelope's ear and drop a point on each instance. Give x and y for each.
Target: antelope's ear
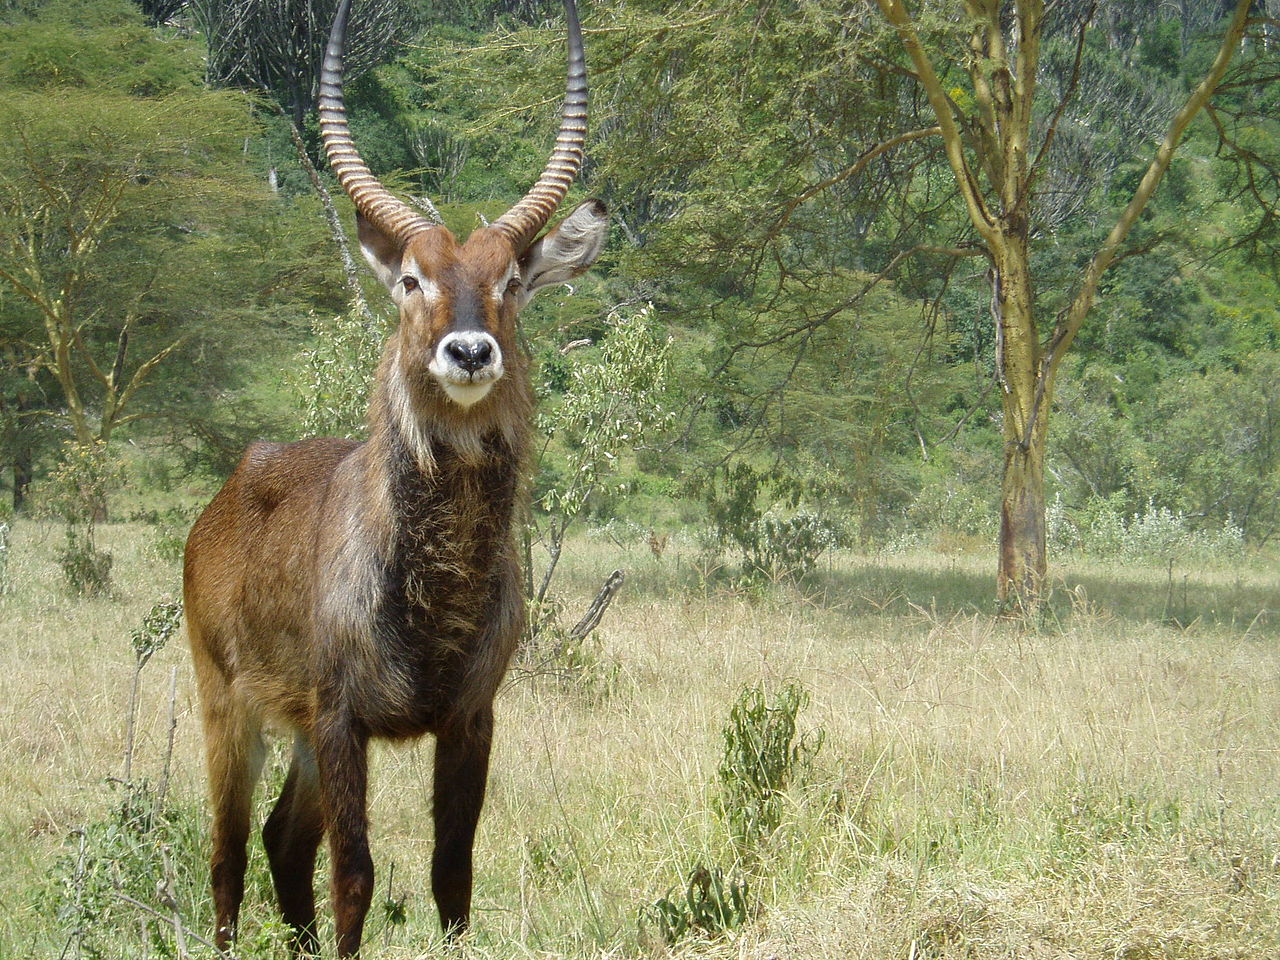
(568, 250)
(384, 255)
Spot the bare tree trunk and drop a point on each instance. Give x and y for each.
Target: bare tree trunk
(22, 474)
(23, 448)
(1023, 554)
(297, 103)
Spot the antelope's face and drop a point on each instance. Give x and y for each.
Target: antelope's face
(458, 302)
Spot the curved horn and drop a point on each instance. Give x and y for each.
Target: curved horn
(392, 217)
(523, 221)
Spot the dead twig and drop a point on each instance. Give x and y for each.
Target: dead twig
(591, 619)
(163, 789)
(174, 921)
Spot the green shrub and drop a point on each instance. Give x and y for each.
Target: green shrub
(771, 541)
(956, 506)
(709, 905)
(171, 526)
(158, 627)
(76, 493)
(144, 851)
(792, 546)
(578, 664)
(613, 401)
(550, 856)
(762, 757)
(1156, 535)
(169, 543)
(85, 569)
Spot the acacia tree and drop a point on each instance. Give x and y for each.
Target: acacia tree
(130, 221)
(996, 149)
(74, 224)
(81, 171)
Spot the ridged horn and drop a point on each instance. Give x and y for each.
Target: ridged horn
(523, 221)
(393, 217)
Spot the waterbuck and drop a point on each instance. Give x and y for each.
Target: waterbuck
(347, 591)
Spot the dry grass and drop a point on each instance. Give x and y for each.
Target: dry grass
(1103, 787)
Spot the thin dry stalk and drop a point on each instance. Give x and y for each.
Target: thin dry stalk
(174, 921)
(76, 936)
(163, 789)
(129, 728)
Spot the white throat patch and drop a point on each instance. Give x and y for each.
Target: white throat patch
(464, 395)
(411, 427)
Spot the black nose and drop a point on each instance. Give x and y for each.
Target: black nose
(470, 355)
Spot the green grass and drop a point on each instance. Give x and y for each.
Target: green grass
(1100, 786)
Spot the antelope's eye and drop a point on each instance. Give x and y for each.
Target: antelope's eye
(513, 285)
(410, 283)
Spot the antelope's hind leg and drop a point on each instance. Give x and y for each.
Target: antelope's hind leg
(292, 835)
(234, 752)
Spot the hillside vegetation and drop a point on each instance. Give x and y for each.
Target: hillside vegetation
(165, 233)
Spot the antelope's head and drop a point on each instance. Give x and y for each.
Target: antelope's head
(458, 302)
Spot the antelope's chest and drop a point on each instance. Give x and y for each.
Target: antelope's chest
(441, 590)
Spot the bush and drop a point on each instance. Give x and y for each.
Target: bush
(86, 570)
(709, 905)
(762, 757)
(770, 541)
(1156, 535)
(1204, 446)
(792, 546)
(77, 491)
(144, 851)
(580, 664)
(169, 539)
(954, 506)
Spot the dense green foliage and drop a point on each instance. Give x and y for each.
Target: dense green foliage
(826, 335)
(731, 145)
(762, 758)
(140, 243)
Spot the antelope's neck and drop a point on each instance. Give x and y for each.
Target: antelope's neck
(451, 516)
(448, 480)
(438, 566)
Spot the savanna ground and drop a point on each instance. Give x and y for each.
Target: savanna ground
(1103, 786)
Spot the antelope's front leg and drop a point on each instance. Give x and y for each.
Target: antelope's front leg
(342, 758)
(461, 769)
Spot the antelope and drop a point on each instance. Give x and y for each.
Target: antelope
(347, 591)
